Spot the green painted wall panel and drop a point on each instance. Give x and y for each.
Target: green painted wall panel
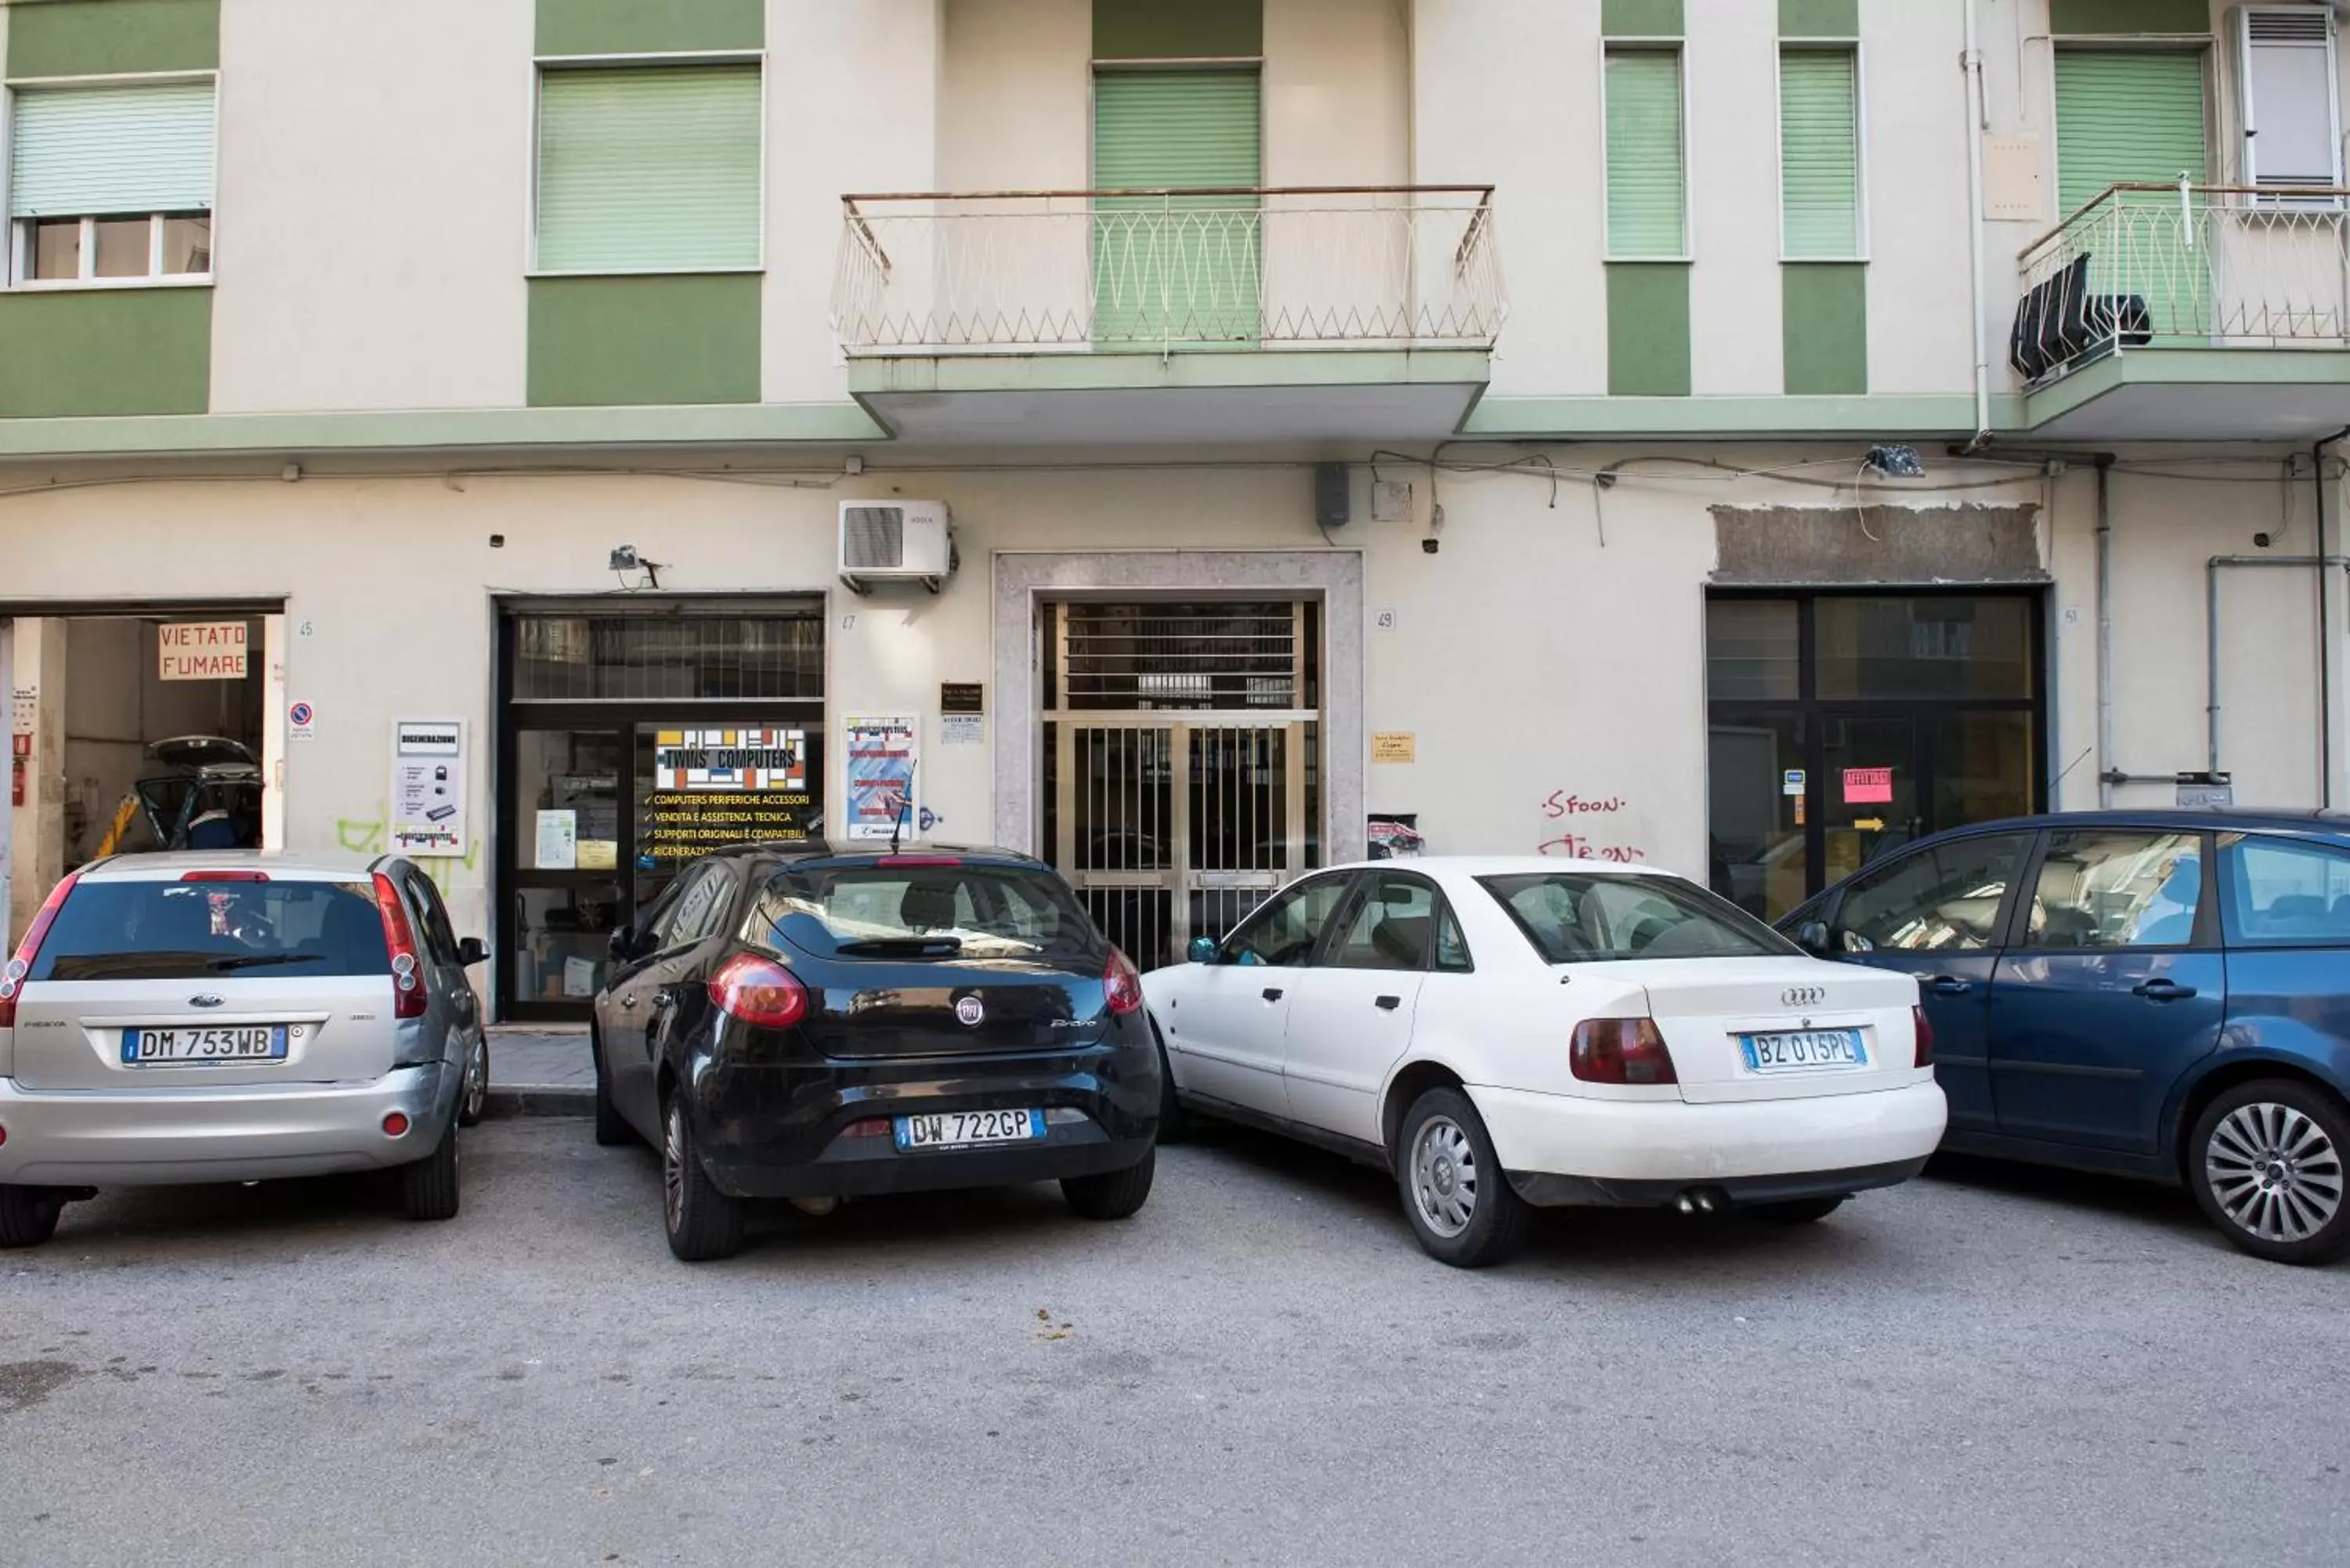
(2085, 17)
(105, 351)
(638, 27)
(605, 341)
(1819, 18)
(1825, 319)
(1641, 18)
(1647, 330)
(1192, 30)
(98, 37)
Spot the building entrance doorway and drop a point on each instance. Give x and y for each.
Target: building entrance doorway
(630, 743)
(1845, 725)
(1182, 761)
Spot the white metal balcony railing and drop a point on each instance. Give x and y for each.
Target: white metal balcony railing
(1032, 271)
(2185, 265)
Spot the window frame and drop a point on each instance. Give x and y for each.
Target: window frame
(1440, 915)
(2003, 924)
(540, 64)
(17, 238)
(1862, 231)
(1679, 49)
(2235, 900)
(1341, 878)
(2203, 936)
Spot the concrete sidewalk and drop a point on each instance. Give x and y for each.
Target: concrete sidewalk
(540, 1072)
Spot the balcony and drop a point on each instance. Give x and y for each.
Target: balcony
(2186, 312)
(1250, 315)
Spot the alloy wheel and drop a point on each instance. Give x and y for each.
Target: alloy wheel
(673, 1165)
(2274, 1172)
(1444, 1176)
(477, 1081)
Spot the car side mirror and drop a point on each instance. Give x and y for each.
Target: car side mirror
(1811, 936)
(624, 943)
(1204, 950)
(470, 951)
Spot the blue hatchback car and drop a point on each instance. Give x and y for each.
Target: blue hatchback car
(2162, 994)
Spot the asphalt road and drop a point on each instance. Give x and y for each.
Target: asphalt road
(1986, 1366)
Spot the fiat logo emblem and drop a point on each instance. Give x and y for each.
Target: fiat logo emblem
(970, 1011)
(1802, 996)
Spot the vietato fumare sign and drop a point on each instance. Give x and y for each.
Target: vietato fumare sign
(201, 650)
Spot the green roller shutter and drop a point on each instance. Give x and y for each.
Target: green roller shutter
(1185, 269)
(1819, 154)
(648, 168)
(2135, 116)
(1647, 209)
(2124, 117)
(90, 151)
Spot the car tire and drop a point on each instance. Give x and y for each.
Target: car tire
(28, 1215)
(476, 1098)
(1172, 1127)
(2267, 1162)
(1797, 1210)
(1111, 1194)
(1455, 1193)
(612, 1130)
(427, 1188)
(703, 1223)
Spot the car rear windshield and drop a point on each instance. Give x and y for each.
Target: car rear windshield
(940, 911)
(185, 931)
(1585, 918)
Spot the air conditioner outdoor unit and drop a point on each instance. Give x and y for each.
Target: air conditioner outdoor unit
(895, 541)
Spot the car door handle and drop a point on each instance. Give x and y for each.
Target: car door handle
(1272, 994)
(1948, 985)
(663, 1002)
(1388, 1004)
(2162, 990)
(629, 1000)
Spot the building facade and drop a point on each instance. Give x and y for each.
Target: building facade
(1728, 435)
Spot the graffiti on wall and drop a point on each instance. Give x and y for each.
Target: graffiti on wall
(1603, 841)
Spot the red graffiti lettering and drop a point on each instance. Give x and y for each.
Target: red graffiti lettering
(1562, 804)
(1573, 846)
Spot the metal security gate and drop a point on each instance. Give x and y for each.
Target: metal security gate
(1182, 775)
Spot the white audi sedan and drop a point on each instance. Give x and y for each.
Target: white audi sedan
(1504, 1033)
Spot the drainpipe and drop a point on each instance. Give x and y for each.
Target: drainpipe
(1978, 113)
(2105, 629)
(2213, 569)
(2324, 629)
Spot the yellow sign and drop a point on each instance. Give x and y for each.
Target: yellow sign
(1868, 825)
(1395, 746)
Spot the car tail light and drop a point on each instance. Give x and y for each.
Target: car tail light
(226, 877)
(1620, 1051)
(870, 1126)
(399, 940)
(1121, 985)
(1925, 1057)
(12, 978)
(758, 990)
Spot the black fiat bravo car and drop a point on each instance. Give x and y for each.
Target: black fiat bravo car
(815, 1023)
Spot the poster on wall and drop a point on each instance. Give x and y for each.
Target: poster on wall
(716, 787)
(881, 764)
(428, 786)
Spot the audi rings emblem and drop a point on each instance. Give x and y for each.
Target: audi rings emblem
(968, 1011)
(1803, 995)
(207, 1000)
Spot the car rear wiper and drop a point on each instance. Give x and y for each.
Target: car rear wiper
(902, 946)
(258, 960)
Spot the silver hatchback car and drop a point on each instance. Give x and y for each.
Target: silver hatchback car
(236, 1017)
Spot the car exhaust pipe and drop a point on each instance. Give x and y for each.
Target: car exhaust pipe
(1701, 1200)
(819, 1206)
(1686, 1203)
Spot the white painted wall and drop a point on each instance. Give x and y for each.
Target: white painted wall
(1016, 96)
(1921, 278)
(1730, 79)
(1337, 78)
(374, 181)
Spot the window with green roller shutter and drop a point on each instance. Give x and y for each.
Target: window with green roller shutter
(1819, 154)
(1185, 269)
(2135, 116)
(1648, 217)
(111, 182)
(650, 169)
